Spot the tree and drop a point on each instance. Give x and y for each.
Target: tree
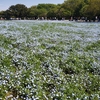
(52, 13)
(2, 14)
(7, 14)
(18, 11)
(70, 8)
(91, 9)
(32, 12)
(73, 6)
(48, 7)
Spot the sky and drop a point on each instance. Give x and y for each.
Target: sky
(5, 4)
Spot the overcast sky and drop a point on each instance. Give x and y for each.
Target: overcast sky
(5, 4)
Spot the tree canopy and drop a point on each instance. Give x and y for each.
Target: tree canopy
(69, 8)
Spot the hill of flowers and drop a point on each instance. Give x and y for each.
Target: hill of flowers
(49, 60)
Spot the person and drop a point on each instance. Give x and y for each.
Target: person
(86, 19)
(71, 19)
(96, 18)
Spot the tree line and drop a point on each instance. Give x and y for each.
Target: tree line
(69, 9)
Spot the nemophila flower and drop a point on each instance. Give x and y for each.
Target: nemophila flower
(49, 60)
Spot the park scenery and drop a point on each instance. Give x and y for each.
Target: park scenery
(52, 55)
(49, 60)
(84, 10)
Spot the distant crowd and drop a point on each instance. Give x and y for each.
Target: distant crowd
(77, 19)
(85, 19)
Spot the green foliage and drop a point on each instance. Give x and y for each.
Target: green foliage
(91, 7)
(16, 11)
(70, 8)
(93, 46)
